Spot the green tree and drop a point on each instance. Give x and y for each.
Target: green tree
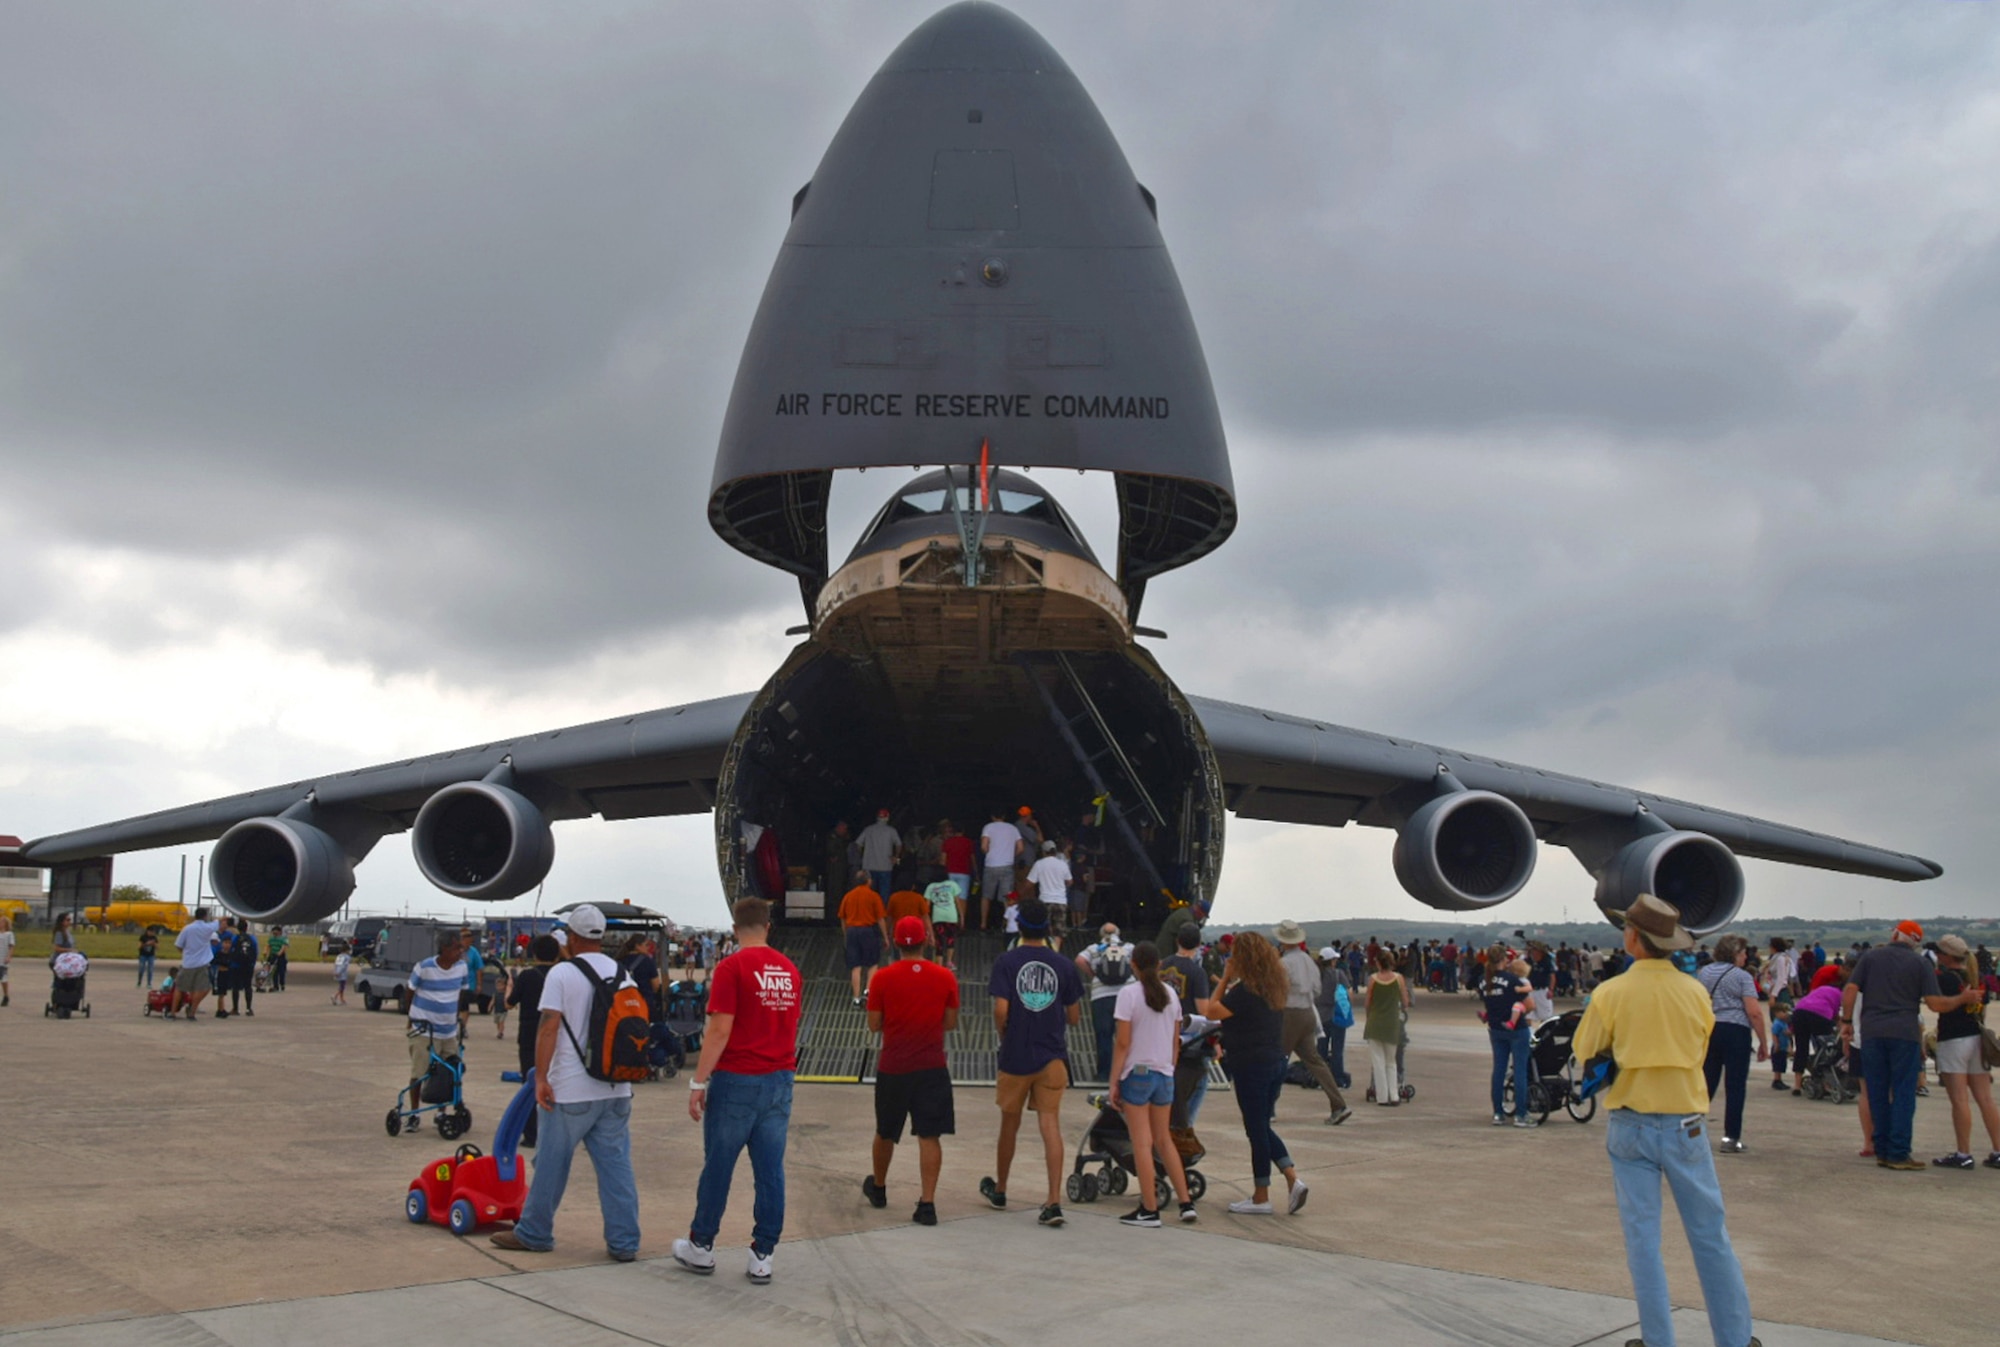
(133, 893)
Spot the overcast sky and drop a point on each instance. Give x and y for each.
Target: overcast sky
(1613, 388)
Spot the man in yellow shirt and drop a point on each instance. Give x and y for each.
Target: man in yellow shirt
(1655, 1020)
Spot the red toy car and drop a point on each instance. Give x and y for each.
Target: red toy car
(468, 1189)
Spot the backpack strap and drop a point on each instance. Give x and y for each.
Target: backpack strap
(597, 985)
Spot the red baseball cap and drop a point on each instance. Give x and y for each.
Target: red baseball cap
(909, 931)
(1910, 929)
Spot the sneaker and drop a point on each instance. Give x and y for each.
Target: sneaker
(1296, 1200)
(1142, 1218)
(1777, 1084)
(1499, 1120)
(991, 1192)
(1731, 1146)
(1797, 1090)
(758, 1270)
(925, 1214)
(1524, 1121)
(1908, 1162)
(694, 1257)
(1051, 1215)
(1249, 1208)
(1956, 1160)
(877, 1195)
(1188, 1214)
(1340, 1116)
(1992, 1161)
(623, 1255)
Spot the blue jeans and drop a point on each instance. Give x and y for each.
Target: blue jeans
(1644, 1148)
(1510, 1045)
(604, 1127)
(744, 1111)
(1728, 1065)
(1335, 1053)
(1889, 1068)
(1257, 1089)
(145, 970)
(1104, 1022)
(882, 880)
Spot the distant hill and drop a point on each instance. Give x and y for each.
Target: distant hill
(1840, 934)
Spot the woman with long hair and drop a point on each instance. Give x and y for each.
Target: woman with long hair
(1144, 1052)
(1500, 991)
(1387, 999)
(1250, 1002)
(1960, 1060)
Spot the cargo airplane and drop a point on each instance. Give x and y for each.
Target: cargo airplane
(973, 277)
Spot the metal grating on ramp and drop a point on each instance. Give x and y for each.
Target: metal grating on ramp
(834, 1042)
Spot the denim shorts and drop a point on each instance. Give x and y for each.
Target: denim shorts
(1155, 1087)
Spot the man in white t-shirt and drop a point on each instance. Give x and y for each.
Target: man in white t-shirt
(1051, 877)
(575, 1106)
(999, 844)
(196, 944)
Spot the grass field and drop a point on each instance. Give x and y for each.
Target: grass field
(34, 944)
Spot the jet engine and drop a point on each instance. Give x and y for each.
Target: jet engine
(1691, 871)
(1465, 850)
(281, 870)
(483, 841)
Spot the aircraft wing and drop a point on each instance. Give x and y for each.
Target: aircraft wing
(1293, 770)
(641, 766)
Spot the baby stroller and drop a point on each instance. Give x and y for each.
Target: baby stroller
(1826, 1073)
(1107, 1148)
(66, 990)
(160, 1000)
(260, 980)
(442, 1095)
(686, 1015)
(1552, 1071)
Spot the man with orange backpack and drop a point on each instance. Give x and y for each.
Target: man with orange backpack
(583, 1070)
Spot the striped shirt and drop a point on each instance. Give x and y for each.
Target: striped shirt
(434, 1005)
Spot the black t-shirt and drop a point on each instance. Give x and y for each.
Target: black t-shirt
(526, 993)
(1254, 1033)
(1192, 973)
(148, 943)
(1953, 1023)
(1500, 992)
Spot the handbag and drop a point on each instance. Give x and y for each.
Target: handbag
(1989, 1045)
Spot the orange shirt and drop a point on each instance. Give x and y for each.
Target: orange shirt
(861, 907)
(908, 903)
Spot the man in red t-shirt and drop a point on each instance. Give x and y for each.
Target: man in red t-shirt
(913, 1004)
(741, 1089)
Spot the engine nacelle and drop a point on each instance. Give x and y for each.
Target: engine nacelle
(281, 870)
(1692, 872)
(482, 841)
(1465, 850)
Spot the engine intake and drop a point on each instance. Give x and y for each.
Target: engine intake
(281, 870)
(1693, 872)
(482, 841)
(1465, 850)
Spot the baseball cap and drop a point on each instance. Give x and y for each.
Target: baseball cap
(587, 921)
(1326, 954)
(909, 932)
(1048, 848)
(1911, 929)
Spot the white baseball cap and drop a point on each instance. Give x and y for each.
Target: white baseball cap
(587, 921)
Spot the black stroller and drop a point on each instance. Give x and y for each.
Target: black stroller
(1826, 1073)
(1106, 1148)
(1553, 1072)
(66, 987)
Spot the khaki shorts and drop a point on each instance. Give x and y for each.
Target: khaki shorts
(192, 981)
(420, 1052)
(1041, 1092)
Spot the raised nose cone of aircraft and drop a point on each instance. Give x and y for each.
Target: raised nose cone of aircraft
(973, 261)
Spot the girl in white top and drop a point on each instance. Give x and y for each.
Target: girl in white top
(1145, 1049)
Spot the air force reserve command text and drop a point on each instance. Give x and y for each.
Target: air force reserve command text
(1059, 407)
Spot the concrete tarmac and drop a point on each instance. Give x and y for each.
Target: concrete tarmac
(232, 1181)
